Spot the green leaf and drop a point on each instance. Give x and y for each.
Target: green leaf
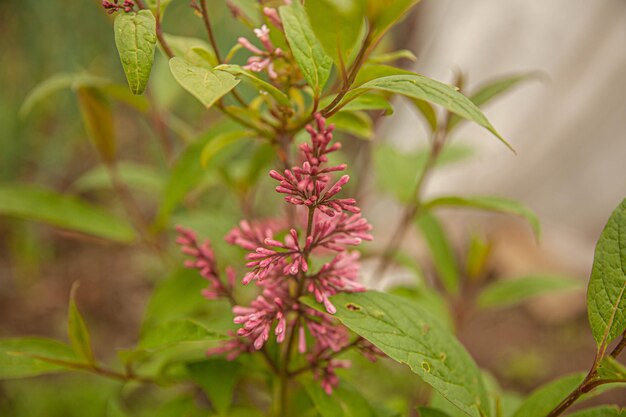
(135, 38)
(373, 71)
(410, 335)
(355, 123)
(427, 111)
(601, 411)
(60, 82)
(423, 88)
(443, 256)
(67, 212)
(217, 377)
(205, 84)
(345, 401)
(193, 50)
(306, 49)
(366, 101)
(23, 357)
(514, 291)
(544, 399)
(122, 94)
(431, 412)
(477, 256)
(606, 297)
(136, 176)
(261, 85)
(610, 368)
(492, 89)
(491, 203)
(339, 27)
(175, 297)
(218, 143)
(392, 56)
(174, 332)
(152, 4)
(430, 300)
(509, 403)
(98, 120)
(383, 14)
(398, 171)
(77, 329)
(187, 170)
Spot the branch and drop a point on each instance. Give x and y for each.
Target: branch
(415, 205)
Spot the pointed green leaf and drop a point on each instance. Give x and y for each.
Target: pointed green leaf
(423, 88)
(205, 84)
(217, 377)
(355, 123)
(67, 212)
(606, 294)
(175, 297)
(491, 203)
(392, 56)
(260, 85)
(601, 411)
(339, 27)
(610, 368)
(366, 101)
(139, 177)
(193, 50)
(59, 82)
(410, 335)
(372, 71)
(477, 256)
(152, 4)
(544, 399)
(135, 38)
(492, 89)
(427, 111)
(98, 120)
(431, 412)
(77, 330)
(514, 291)
(218, 143)
(187, 171)
(383, 14)
(23, 357)
(306, 49)
(443, 257)
(397, 172)
(174, 332)
(345, 401)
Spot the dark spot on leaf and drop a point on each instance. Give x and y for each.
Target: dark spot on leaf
(426, 366)
(442, 356)
(353, 307)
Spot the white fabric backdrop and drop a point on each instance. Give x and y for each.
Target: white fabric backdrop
(569, 131)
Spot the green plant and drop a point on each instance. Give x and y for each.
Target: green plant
(321, 71)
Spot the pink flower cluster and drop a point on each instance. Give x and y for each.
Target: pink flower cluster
(203, 259)
(262, 60)
(112, 7)
(280, 263)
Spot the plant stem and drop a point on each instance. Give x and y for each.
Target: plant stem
(209, 29)
(285, 374)
(620, 346)
(591, 381)
(98, 370)
(134, 211)
(414, 206)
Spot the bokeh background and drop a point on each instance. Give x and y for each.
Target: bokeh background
(567, 125)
